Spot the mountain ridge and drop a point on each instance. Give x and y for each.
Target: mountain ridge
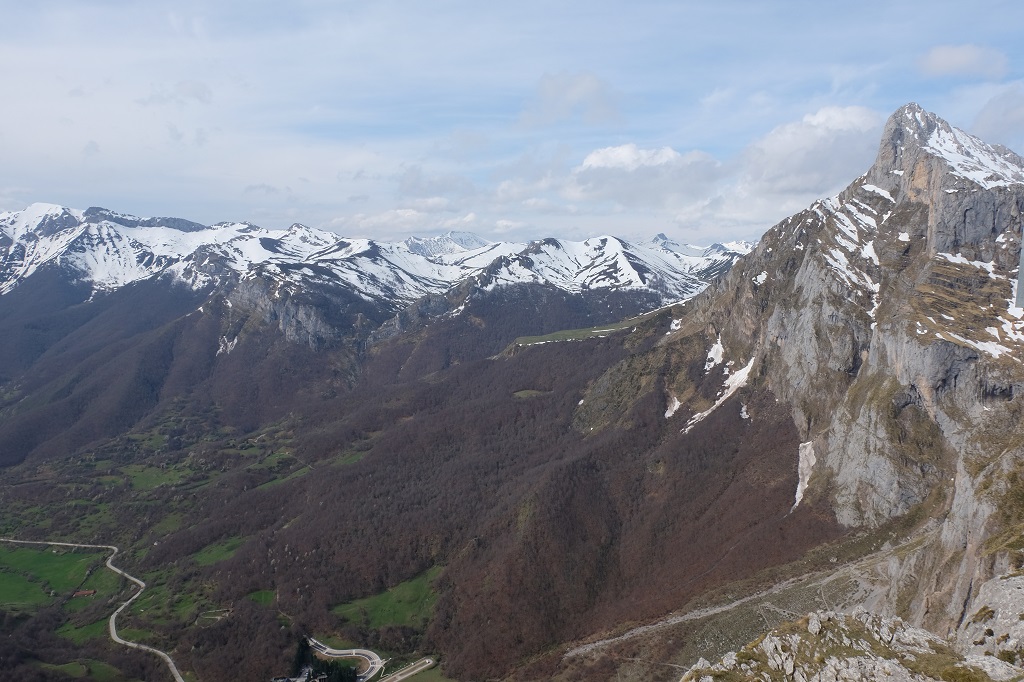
(110, 250)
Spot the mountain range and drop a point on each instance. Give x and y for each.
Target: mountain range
(592, 460)
(108, 250)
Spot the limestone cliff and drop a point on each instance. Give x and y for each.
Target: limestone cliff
(886, 319)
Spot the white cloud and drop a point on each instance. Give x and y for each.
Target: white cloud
(561, 97)
(814, 154)
(630, 176)
(964, 60)
(1001, 119)
(629, 157)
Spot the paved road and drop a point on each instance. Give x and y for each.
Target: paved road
(407, 672)
(372, 660)
(112, 623)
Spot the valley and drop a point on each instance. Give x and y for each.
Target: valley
(538, 462)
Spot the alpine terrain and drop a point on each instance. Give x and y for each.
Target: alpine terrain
(557, 460)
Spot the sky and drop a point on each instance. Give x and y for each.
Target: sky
(706, 121)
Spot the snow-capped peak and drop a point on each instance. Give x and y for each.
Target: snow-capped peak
(975, 160)
(448, 243)
(108, 250)
(39, 217)
(912, 130)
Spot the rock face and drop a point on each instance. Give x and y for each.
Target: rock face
(886, 318)
(996, 627)
(835, 647)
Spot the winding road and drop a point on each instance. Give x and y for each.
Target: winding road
(373, 660)
(112, 623)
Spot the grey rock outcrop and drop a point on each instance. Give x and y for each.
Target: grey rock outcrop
(835, 647)
(885, 318)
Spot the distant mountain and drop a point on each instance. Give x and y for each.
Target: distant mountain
(108, 250)
(449, 242)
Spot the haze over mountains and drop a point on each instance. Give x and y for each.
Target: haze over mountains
(829, 422)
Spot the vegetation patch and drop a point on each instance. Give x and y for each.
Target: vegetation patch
(410, 603)
(73, 669)
(298, 473)
(145, 477)
(274, 462)
(168, 524)
(984, 614)
(347, 458)
(264, 597)
(432, 675)
(218, 551)
(529, 393)
(85, 633)
(102, 582)
(88, 669)
(574, 334)
(336, 642)
(19, 593)
(54, 569)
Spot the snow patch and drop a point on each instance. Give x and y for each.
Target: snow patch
(904, 237)
(715, 355)
(673, 405)
(990, 268)
(879, 191)
(224, 346)
(804, 471)
(735, 382)
(760, 279)
(972, 159)
(869, 252)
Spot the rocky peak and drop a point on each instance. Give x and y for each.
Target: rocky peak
(884, 318)
(924, 161)
(921, 152)
(448, 243)
(98, 215)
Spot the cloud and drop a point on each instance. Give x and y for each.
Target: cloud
(629, 158)
(415, 182)
(739, 195)
(1001, 119)
(262, 188)
(180, 93)
(813, 155)
(562, 97)
(631, 176)
(964, 60)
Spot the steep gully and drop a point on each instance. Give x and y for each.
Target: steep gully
(112, 623)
